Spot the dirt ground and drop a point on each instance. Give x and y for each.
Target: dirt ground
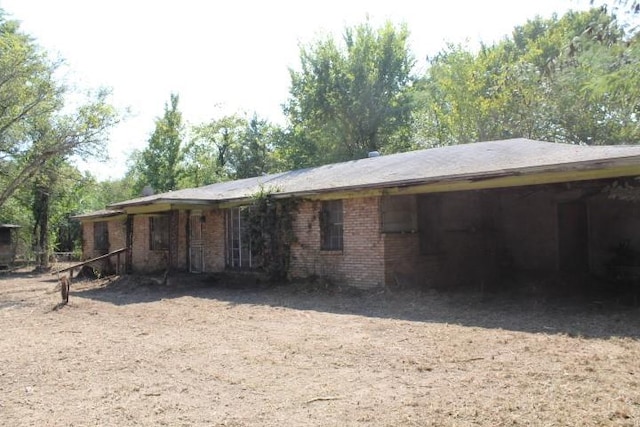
(202, 352)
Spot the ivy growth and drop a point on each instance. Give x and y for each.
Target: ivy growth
(269, 222)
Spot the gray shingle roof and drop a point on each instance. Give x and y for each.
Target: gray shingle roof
(98, 214)
(468, 161)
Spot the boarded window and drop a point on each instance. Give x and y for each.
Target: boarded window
(5, 236)
(101, 236)
(399, 214)
(331, 226)
(159, 233)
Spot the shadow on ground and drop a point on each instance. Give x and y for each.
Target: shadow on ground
(581, 317)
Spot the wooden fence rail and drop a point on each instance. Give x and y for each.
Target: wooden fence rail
(89, 261)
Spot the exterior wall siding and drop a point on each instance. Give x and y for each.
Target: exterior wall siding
(359, 264)
(117, 240)
(404, 265)
(471, 238)
(180, 234)
(145, 260)
(87, 240)
(214, 241)
(117, 234)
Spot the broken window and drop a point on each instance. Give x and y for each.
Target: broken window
(101, 236)
(399, 214)
(159, 233)
(331, 226)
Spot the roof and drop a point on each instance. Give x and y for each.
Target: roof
(99, 214)
(468, 161)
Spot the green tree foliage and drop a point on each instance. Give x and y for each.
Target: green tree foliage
(208, 155)
(158, 165)
(45, 207)
(350, 98)
(232, 147)
(39, 134)
(252, 157)
(33, 129)
(572, 79)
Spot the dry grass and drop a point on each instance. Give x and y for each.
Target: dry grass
(130, 352)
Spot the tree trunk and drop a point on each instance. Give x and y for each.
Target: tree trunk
(41, 227)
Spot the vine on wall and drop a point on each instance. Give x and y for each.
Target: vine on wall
(270, 226)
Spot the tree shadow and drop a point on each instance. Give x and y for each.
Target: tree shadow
(572, 316)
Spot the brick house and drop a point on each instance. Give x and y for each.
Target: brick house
(471, 214)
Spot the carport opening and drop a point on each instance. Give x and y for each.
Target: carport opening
(568, 239)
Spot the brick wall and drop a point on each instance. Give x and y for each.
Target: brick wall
(117, 240)
(145, 260)
(405, 266)
(180, 233)
(360, 263)
(116, 230)
(213, 240)
(87, 240)
(117, 234)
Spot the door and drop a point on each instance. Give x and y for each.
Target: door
(196, 243)
(573, 240)
(240, 249)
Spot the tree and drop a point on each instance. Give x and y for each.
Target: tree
(208, 155)
(58, 192)
(352, 98)
(572, 79)
(252, 156)
(33, 129)
(158, 165)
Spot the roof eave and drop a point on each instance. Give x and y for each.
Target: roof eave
(579, 168)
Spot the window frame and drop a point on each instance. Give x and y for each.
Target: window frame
(241, 253)
(332, 226)
(159, 233)
(101, 236)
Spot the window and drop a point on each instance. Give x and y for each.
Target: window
(241, 250)
(101, 236)
(5, 236)
(331, 226)
(399, 214)
(159, 233)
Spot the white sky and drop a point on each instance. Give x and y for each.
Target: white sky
(231, 56)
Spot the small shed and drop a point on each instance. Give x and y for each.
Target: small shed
(8, 244)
